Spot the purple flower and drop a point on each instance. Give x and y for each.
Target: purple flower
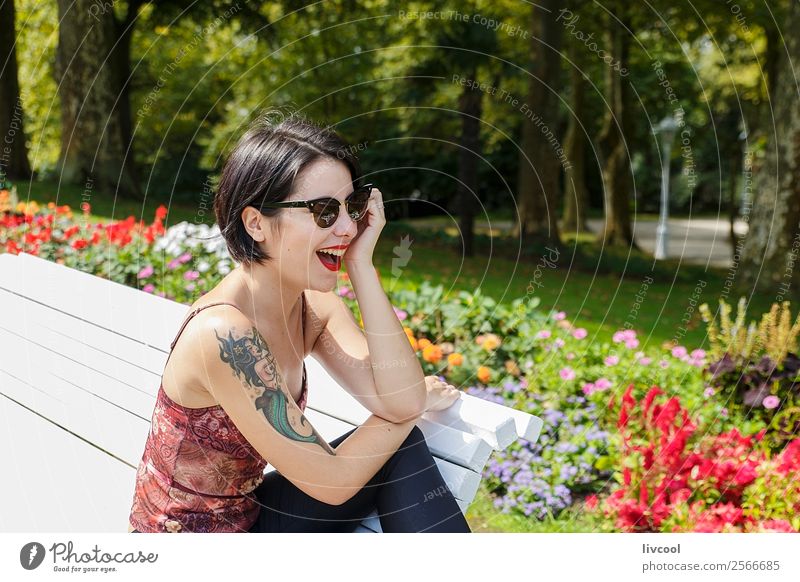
(708, 392)
(580, 333)
(146, 272)
(611, 360)
(191, 275)
(567, 373)
(771, 402)
(543, 334)
(663, 363)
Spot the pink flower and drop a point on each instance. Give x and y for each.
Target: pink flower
(663, 363)
(580, 333)
(612, 360)
(173, 264)
(645, 361)
(624, 335)
(571, 356)
(771, 402)
(185, 258)
(559, 316)
(345, 291)
(631, 343)
(698, 354)
(588, 388)
(567, 373)
(559, 343)
(708, 392)
(401, 315)
(149, 288)
(191, 275)
(543, 334)
(189, 287)
(678, 352)
(603, 383)
(146, 272)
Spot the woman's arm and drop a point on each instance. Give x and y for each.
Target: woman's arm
(399, 379)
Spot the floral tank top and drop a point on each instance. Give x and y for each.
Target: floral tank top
(198, 471)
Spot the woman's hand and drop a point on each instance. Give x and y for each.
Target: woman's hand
(369, 229)
(441, 395)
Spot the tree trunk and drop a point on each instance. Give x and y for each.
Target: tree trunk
(470, 107)
(613, 142)
(576, 199)
(770, 258)
(94, 151)
(541, 154)
(13, 150)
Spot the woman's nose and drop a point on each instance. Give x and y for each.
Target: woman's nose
(345, 225)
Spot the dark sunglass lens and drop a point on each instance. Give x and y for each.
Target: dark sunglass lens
(358, 204)
(325, 212)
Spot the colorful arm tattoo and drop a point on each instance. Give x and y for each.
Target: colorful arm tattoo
(247, 356)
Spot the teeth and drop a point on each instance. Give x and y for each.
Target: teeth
(335, 252)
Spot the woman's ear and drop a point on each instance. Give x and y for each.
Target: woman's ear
(252, 220)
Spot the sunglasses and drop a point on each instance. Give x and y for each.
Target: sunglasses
(326, 210)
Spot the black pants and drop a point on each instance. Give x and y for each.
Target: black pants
(408, 492)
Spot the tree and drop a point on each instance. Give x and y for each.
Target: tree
(769, 258)
(576, 198)
(93, 142)
(13, 150)
(540, 149)
(614, 139)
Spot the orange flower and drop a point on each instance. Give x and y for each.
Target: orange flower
(413, 342)
(431, 353)
(423, 343)
(512, 368)
(455, 359)
(490, 342)
(484, 374)
(409, 331)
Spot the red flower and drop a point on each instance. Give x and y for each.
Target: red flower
(161, 212)
(79, 244)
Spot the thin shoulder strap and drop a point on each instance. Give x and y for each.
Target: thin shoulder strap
(191, 315)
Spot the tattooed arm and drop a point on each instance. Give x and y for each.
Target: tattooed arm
(242, 375)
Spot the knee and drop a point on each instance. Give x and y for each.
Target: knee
(415, 437)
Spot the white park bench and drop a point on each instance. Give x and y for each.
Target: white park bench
(81, 360)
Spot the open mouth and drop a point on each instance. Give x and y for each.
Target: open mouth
(331, 259)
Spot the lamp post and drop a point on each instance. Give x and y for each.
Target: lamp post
(667, 129)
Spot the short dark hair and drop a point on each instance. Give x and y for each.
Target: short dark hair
(262, 169)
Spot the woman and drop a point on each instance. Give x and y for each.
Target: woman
(234, 388)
